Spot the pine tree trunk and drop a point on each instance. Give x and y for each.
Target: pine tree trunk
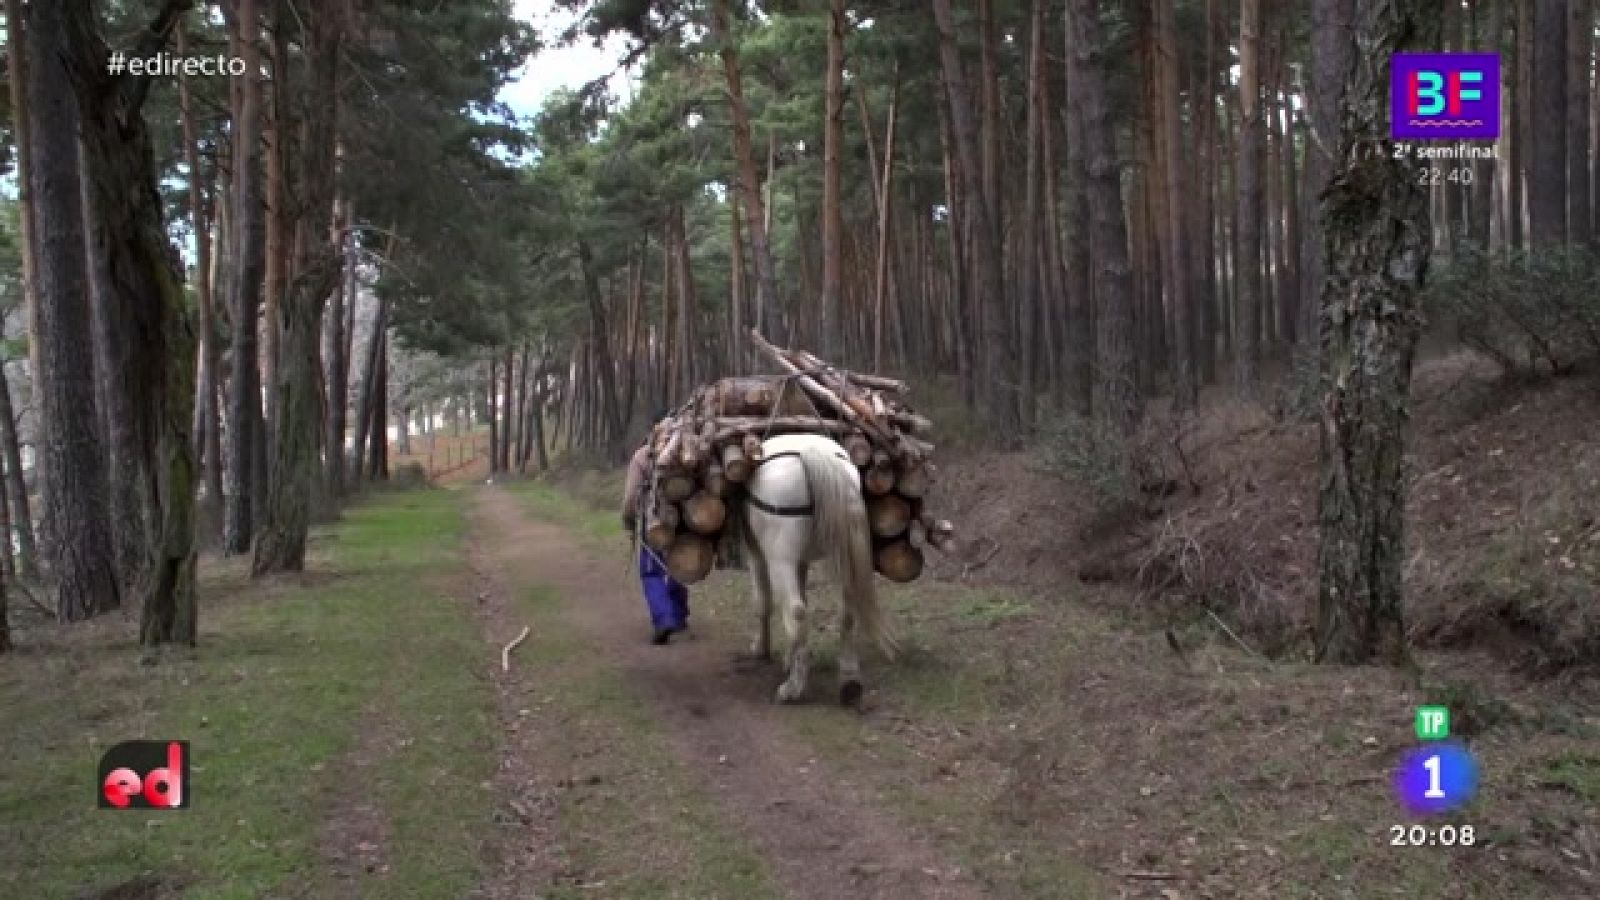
(1179, 268)
(240, 484)
(599, 333)
(749, 182)
(686, 368)
(293, 473)
(1117, 400)
(1030, 282)
(1330, 57)
(1580, 37)
(508, 404)
(366, 398)
(378, 431)
(143, 284)
(1204, 301)
(209, 446)
(1080, 276)
(72, 468)
(21, 139)
(16, 486)
(279, 224)
(339, 362)
(1247, 330)
(996, 362)
(1376, 227)
(112, 334)
(1547, 177)
(831, 325)
(1486, 184)
(882, 181)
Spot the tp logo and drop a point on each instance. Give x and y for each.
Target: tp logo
(1444, 96)
(145, 775)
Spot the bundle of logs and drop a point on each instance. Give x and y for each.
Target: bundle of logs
(708, 448)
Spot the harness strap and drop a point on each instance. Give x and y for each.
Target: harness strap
(805, 510)
(770, 509)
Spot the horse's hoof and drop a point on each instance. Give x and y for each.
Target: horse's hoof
(788, 693)
(850, 693)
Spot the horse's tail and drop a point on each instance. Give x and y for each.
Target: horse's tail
(840, 521)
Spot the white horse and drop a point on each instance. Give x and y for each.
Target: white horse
(803, 503)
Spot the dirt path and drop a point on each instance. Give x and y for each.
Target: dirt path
(821, 836)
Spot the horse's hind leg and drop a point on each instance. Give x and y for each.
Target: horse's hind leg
(849, 657)
(761, 604)
(785, 581)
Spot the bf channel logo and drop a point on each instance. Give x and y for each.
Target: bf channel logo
(1444, 96)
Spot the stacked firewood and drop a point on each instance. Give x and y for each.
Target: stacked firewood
(707, 449)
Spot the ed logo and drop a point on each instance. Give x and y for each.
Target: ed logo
(145, 775)
(1444, 96)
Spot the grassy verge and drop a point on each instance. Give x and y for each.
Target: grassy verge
(286, 679)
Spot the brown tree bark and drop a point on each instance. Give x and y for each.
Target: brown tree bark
(687, 370)
(1178, 265)
(367, 396)
(282, 544)
(831, 312)
(882, 282)
(339, 361)
(21, 517)
(240, 482)
(1079, 265)
(1580, 49)
(16, 487)
(995, 357)
(208, 443)
(1247, 330)
(600, 335)
(1330, 58)
(1204, 302)
(1547, 176)
(142, 281)
(378, 429)
(21, 138)
(1117, 399)
(279, 223)
(749, 182)
(71, 465)
(1029, 281)
(1377, 232)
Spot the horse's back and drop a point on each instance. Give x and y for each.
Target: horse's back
(794, 443)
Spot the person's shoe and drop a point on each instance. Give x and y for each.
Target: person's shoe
(661, 636)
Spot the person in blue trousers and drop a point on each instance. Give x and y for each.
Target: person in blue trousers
(666, 598)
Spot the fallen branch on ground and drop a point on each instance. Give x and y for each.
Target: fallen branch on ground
(505, 652)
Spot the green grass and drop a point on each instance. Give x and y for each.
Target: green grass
(1578, 773)
(286, 679)
(633, 817)
(583, 514)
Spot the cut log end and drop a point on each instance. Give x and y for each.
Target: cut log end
(690, 557)
(899, 561)
(735, 465)
(914, 480)
(889, 514)
(705, 513)
(677, 487)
